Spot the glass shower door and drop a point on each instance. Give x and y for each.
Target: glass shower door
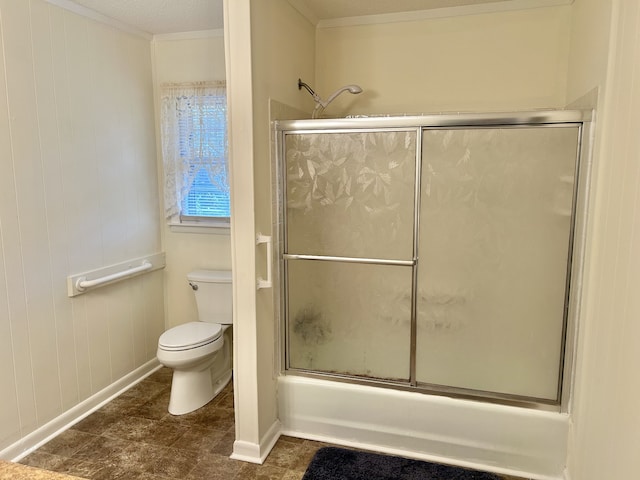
(348, 253)
(495, 228)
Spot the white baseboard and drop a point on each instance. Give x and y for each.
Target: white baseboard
(46, 432)
(257, 453)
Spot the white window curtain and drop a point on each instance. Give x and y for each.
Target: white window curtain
(193, 129)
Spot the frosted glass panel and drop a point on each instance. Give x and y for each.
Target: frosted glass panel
(349, 318)
(494, 238)
(351, 194)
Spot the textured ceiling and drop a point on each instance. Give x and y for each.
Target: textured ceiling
(172, 16)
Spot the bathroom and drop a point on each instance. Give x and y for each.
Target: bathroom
(569, 57)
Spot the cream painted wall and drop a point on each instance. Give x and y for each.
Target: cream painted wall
(185, 58)
(490, 62)
(605, 436)
(589, 47)
(189, 57)
(78, 191)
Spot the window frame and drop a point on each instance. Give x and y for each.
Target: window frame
(194, 223)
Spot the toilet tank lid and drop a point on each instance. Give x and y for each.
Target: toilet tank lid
(211, 276)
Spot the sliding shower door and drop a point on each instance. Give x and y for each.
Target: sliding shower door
(430, 253)
(349, 251)
(495, 228)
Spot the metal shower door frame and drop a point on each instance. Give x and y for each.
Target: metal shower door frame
(572, 118)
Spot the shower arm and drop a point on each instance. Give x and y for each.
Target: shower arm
(320, 104)
(316, 97)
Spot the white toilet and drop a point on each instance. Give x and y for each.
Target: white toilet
(200, 352)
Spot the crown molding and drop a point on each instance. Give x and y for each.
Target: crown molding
(214, 33)
(412, 16)
(98, 17)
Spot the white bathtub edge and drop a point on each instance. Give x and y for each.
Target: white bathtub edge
(497, 438)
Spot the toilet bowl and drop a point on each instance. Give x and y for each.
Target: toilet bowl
(200, 352)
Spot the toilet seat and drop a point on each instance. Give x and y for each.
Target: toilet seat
(189, 336)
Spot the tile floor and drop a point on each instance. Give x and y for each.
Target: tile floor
(134, 438)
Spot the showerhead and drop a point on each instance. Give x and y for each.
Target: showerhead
(355, 89)
(322, 104)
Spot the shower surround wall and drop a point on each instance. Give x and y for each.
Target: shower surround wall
(78, 191)
(437, 259)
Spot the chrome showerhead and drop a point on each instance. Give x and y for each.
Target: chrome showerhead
(322, 104)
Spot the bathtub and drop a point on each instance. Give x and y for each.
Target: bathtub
(503, 439)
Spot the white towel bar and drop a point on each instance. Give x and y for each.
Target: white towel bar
(83, 282)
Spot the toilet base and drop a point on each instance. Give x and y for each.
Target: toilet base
(191, 390)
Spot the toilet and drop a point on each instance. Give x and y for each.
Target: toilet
(200, 353)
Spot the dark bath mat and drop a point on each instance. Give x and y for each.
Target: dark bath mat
(331, 463)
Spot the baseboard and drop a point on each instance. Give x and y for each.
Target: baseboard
(257, 453)
(503, 439)
(46, 432)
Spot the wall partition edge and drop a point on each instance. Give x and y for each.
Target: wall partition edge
(580, 118)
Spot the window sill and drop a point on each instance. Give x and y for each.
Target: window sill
(211, 228)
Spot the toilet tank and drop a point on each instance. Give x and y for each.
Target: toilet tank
(212, 289)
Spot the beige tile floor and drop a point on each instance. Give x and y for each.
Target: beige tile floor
(134, 438)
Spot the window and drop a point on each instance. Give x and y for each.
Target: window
(194, 150)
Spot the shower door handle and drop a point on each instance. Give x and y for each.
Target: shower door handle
(262, 282)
